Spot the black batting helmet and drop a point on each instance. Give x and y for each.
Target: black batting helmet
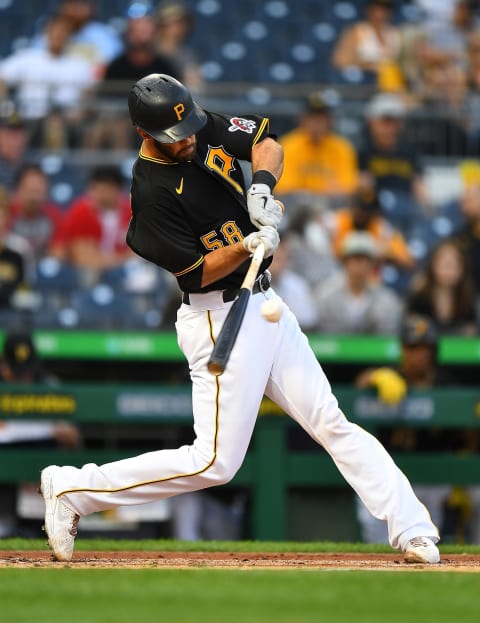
(163, 107)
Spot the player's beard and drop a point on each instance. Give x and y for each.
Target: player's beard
(167, 150)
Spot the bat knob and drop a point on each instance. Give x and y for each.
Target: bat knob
(215, 368)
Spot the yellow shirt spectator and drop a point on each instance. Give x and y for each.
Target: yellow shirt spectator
(316, 160)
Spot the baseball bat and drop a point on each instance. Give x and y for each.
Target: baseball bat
(231, 326)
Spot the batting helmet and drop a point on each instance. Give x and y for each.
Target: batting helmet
(164, 109)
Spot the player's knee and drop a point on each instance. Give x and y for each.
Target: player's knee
(221, 473)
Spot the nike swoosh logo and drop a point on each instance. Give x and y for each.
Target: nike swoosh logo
(179, 189)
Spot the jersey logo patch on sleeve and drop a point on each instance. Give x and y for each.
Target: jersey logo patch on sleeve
(244, 125)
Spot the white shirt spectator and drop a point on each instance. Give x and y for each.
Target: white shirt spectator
(44, 81)
(377, 310)
(353, 300)
(96, 42)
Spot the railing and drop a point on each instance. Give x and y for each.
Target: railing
(162, 346)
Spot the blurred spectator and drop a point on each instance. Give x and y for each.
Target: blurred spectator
(364, 214)
(389, 165)
(14, 147)
(292, 286)
(32, 215)
(434, 12)
(20, 364)
(447, 40)
(92, 232)
(175, 22)
(372, 45)
(440, 124)
(140, 57)
(12, 264)
(317, 160)
(468, 236)
(473, 96)
(113, 128)
(48, 80)
(95, 41)
(412, 36)
(352, 300)
(443, 291)
(473, 61)
(418, 369)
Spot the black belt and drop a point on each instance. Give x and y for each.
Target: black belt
(262, 284)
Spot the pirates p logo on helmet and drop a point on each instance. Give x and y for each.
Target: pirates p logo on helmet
(179, 109)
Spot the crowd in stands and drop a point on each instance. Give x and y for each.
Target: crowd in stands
(366, 241)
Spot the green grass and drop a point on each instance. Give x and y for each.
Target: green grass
(170, 545)
(254, 596)
(204, 595)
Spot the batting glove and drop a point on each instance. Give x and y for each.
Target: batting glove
(262, 207)
(268, 235)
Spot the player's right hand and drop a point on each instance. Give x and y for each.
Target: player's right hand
(390, 386)
(262, 207)
(268, 235)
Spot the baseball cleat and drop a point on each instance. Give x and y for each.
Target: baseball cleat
(60, 522)
(423, 550)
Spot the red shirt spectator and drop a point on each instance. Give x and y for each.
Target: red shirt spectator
(92, 233)
(31, 214)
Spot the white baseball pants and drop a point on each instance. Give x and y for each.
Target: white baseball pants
(268, 358)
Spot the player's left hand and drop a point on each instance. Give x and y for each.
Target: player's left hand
(262, 207)
(266, 235)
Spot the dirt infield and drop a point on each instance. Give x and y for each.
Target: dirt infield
(237, 560)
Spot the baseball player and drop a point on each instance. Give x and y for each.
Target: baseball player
(193, 215)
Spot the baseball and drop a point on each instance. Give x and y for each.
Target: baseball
(271, 310)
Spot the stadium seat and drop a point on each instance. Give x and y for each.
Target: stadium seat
(54, 275)
(66, 179)
(55, 281)
(101, 307)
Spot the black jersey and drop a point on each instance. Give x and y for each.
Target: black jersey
(182, 211)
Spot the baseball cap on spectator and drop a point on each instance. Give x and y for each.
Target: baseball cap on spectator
(20, 354)
(385, 105)
(316, 103)
(360, 243)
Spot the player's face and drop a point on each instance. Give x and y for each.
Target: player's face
(181, 151)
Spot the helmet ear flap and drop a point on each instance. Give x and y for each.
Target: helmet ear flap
(163, 108)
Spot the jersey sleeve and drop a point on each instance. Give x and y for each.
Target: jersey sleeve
(166, 240)
(238, 134)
